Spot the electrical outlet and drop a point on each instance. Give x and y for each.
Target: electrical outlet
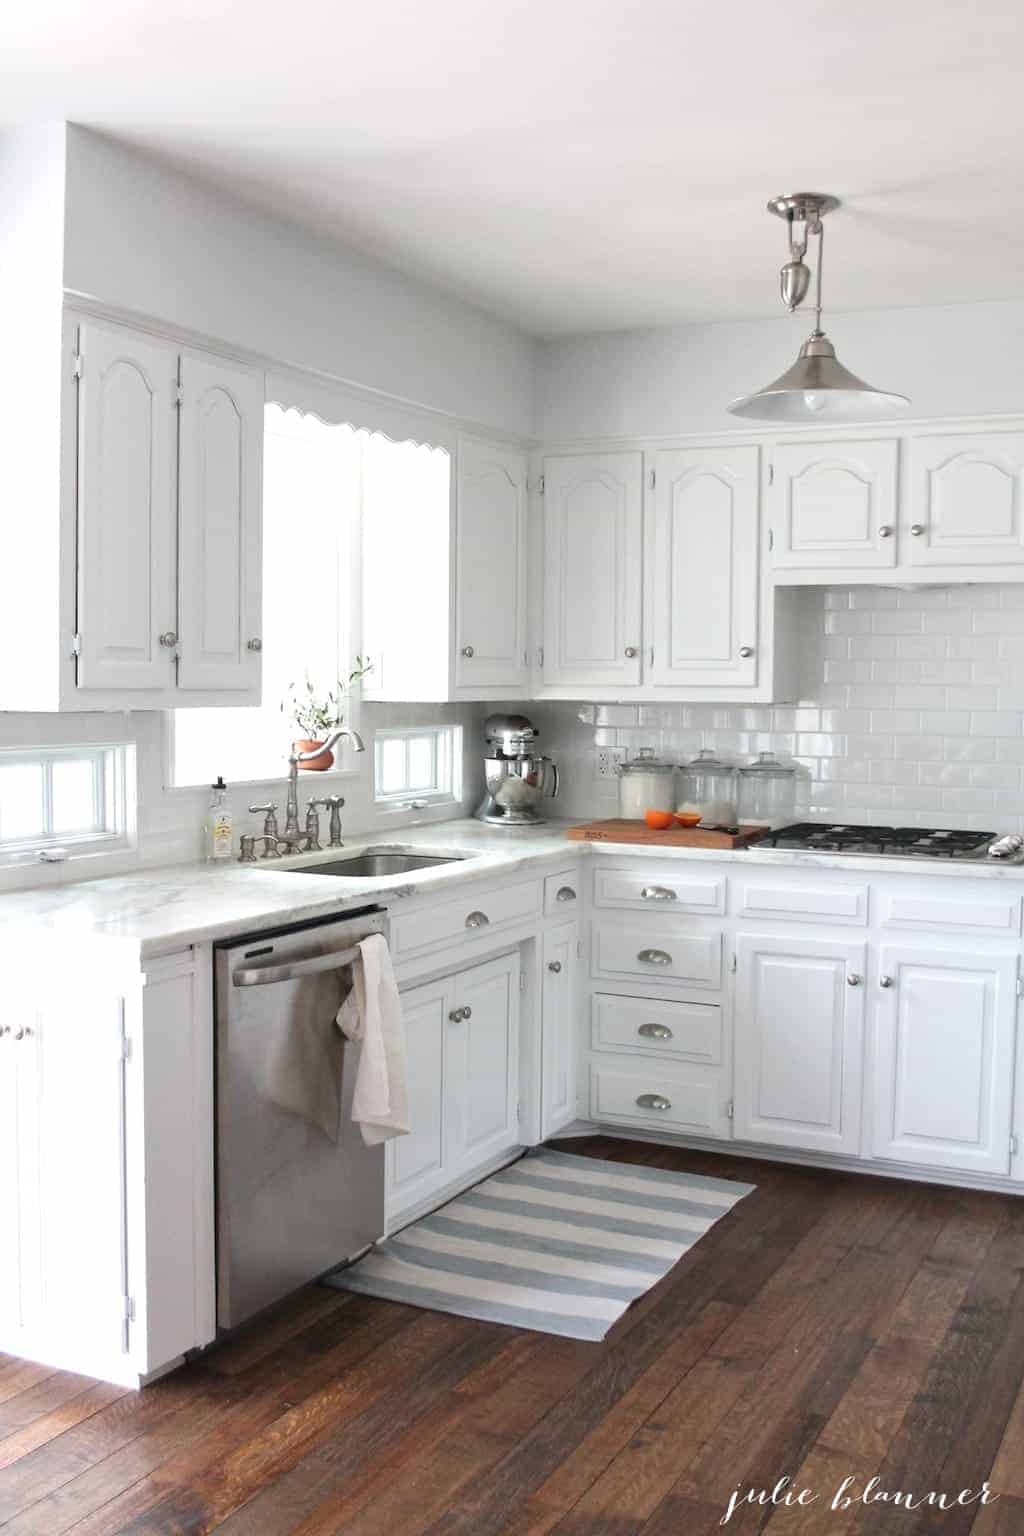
(606, 760)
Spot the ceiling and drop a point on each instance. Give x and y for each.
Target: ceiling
(575, 165)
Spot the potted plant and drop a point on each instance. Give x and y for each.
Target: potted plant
(317, 715)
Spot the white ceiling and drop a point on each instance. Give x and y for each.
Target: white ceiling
(575, 164)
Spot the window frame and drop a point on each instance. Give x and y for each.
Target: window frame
(113, 803)
(447, 760)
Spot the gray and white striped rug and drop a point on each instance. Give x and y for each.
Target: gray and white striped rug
(558, 1243)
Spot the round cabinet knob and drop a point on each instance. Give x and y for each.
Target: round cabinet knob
(169, 638)
(917, 529)
(255, 644)
(477, 920)
(555, 966)
(653, 1101)
(853, 980)
(565, 893)
(746, 651)
(457, 1014)
(467, 651)
(885, 981)
(632, 651)
(467, 1013)
(886, 531)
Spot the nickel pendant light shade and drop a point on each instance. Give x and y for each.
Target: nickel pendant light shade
(817, 387)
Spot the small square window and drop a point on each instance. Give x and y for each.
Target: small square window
(421, 764)
(63, 797)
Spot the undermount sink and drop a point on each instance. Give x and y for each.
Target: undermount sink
(373, 863)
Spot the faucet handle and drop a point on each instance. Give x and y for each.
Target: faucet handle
(269, 812)
(333, 800)
(271, 805)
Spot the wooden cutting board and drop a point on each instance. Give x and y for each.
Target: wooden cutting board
(620, 831)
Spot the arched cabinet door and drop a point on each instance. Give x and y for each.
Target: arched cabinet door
(219, 643)
(966, 499)
(593, 516)
(490, 639)
(833, 506)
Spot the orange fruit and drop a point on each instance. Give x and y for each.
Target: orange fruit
(658, 820)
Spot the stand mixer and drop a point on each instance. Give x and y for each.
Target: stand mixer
(516, 776)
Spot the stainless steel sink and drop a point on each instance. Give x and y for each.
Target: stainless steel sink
(373, 863)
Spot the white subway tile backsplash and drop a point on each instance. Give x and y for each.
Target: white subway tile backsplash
(911, 707)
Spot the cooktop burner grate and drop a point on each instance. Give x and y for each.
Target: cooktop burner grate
(898, 842)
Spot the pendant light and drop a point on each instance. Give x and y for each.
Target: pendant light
(817, 387)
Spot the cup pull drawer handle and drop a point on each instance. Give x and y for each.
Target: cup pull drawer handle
(657, 893)
(477, 920)
(565, 893)
(655, 957)
(655, 1032)
(653, 1101)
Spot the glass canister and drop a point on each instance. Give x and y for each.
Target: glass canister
(646, 783)
(767, 792)
(707, 791)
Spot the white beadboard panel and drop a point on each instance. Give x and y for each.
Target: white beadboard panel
(911, 709)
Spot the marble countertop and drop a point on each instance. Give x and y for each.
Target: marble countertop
(164, 908)
(161, 909)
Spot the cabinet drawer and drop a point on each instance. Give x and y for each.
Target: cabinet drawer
(988, 910)
(562, 894)
(659, 952)
(688, 1031)
(471, 917)
(778, 898)
(644, 889)
(658, 1096)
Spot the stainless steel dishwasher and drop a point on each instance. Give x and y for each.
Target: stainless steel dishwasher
(291, 1203)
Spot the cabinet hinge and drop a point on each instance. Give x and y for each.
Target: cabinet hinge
(76, 366)
(1014, 1146)
(76, 645)
(179, 395)
(771, 474)
(579, 949)
(771, 538)
(654, 478)
(540, 656)
(540, 486)
(522, 981)
(728, 1110)
(126, 1048)
(1020, 987)
(519, 1112)
(129, 1309)
(732, 965)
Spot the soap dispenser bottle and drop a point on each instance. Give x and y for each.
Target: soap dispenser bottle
(218, 825)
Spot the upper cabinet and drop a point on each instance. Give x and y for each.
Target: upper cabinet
(491, 645)
(833, 505)
(593, 521)
(965, 498)
(702, 568)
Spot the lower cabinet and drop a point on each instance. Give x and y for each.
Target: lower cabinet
(559, 1027)
(462, 1042)
(944, 1057)
(799, 1029)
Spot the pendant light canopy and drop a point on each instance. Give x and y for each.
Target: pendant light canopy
(817, 387)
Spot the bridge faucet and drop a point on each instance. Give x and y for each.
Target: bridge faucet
(291, 831)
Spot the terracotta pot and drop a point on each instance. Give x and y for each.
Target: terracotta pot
(317, 764)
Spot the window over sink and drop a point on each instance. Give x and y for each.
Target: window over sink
(417, 765)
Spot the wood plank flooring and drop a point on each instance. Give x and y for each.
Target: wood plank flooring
(831, 1327)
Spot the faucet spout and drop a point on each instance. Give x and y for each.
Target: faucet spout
(295, 759)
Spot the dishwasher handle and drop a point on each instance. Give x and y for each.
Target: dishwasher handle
(261, 975)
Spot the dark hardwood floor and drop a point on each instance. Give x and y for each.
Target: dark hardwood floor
(830, 1327)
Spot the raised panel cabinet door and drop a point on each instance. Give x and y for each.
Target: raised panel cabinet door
(944, 1033)
(702, 568)
(416, 1163)
(799, 1031)
(220, 520)
(482, 1074)
(558, 1029)
(593, 521)
(126, 510)
(966, 499)
(490, 581)
(833, 506)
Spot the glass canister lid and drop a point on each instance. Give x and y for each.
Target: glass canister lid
(766, 765)
(706, 759)
(646, 762)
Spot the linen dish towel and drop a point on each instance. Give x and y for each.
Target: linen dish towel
(372, 1016)
(307, 1055)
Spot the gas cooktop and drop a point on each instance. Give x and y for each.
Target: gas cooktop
(896, 842)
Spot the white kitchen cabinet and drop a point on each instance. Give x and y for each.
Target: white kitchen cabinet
(832, 506)
(221, 453)
(593, 520)
(559, 1027)
(966, 499)
(462, 1039)
(127, 508)
(799, 1022)
(702, 568)
(109, 1183)
(944, 1039)
(491, 565)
